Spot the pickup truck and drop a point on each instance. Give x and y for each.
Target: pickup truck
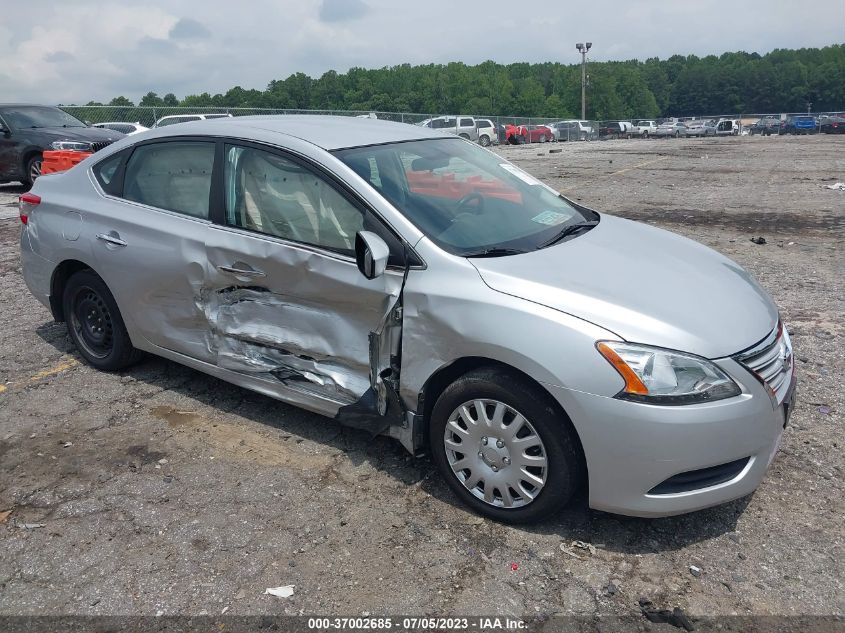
(643, 128)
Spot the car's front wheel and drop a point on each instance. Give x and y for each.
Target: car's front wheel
(504, 447)
(94, 323)
(32, 170)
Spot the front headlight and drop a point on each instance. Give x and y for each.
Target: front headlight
(660, 376)
(74, 146)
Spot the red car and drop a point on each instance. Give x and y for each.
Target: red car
(518, 134)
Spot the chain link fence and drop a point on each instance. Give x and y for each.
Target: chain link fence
(507, 128)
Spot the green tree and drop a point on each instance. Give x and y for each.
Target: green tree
(151, 100)
(121, 101)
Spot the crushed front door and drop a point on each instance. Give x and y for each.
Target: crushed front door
(285, 300)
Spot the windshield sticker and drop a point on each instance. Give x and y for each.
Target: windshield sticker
(550, 218)
(523, 176)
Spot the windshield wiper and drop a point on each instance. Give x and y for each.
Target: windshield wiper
(572, 229)
(495, 252)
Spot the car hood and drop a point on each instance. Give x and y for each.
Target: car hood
(93, 134)
(644, 284)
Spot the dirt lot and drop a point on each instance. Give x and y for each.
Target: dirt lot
(161, 490)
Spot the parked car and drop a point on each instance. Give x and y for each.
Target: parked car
(173, 119)
(123, 128)
(670, 129)
(411, 284)
(26, 131)
(580, 130)
(463, 126)
(833, 125)
(612, 130)
(487, 133)
(728, 127)
(766, 126)
(566, 131)
(519, 134)
(627, 128)
(643, 128)
(700, 127)
(538, 133)
(799, 124)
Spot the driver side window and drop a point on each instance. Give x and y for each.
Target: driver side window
(270, 194)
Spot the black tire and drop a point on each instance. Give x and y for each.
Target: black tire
(565, 462)
(94, 323)
(484, 140)
(464, 136)
(32, 169)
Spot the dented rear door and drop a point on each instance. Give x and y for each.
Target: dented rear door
(284, 299)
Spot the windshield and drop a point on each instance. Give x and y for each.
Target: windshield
(29, 117)
(467, 200)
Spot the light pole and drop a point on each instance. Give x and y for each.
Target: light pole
(583, 50)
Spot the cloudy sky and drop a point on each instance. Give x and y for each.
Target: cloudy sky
(65, 51)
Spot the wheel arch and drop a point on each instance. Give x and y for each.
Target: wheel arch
(447, 374)
(59, 280)
(27, 155)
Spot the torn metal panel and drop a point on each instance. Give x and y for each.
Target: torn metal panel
(310, 321)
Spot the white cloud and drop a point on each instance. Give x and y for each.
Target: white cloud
(61, 51)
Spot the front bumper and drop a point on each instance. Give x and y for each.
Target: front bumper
(631, 448)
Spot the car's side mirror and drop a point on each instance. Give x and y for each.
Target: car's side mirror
(371, 254)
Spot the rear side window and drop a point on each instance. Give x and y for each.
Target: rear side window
(106, 172)
(467, 123)
(173, 176)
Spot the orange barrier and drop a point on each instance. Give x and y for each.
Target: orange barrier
(61, 160)
(447, 186)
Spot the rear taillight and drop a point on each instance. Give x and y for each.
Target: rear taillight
(26, 203)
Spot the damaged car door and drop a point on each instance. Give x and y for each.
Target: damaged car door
(285, 301)
(149, 242)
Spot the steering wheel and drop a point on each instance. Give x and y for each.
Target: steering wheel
(463, 208)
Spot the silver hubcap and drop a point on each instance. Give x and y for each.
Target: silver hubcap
(34, 170)
(495, 453)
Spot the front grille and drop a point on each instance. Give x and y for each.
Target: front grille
(96, 147)
(771, 362)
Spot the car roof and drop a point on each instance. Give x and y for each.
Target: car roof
(324, 131)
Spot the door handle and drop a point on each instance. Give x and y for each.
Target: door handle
(242, 272)
(111, 239)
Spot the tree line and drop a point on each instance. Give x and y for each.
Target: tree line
(780, 81)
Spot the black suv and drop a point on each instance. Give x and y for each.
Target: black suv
(28, 130)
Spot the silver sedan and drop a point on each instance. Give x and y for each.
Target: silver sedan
(410, 283)
(670, 130)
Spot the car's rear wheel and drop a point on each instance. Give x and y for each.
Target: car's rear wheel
(94, 323)
(32, 170)
(503, 446)
(484, 140)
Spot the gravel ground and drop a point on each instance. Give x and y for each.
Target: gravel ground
(162, 490)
